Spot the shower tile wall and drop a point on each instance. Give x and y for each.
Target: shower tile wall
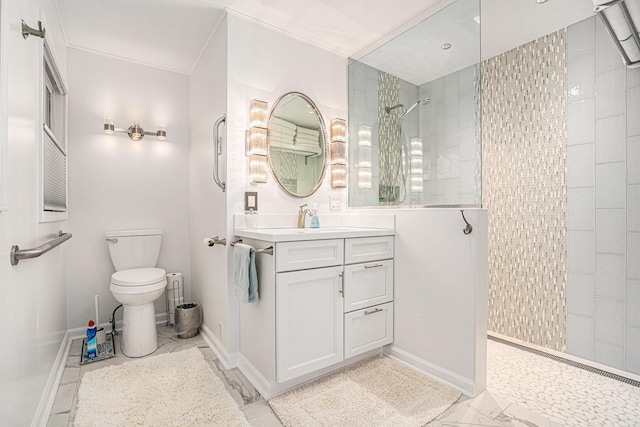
(523, 161)
(388, 96)
(603, 180)
(451, 138)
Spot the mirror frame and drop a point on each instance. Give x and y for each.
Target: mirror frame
(324, 144)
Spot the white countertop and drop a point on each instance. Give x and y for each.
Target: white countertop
(298, 234)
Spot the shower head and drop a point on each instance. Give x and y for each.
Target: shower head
(422, 101)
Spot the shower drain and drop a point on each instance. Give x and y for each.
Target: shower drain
(579, 365)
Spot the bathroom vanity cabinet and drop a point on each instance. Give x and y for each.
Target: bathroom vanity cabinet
(325, 302)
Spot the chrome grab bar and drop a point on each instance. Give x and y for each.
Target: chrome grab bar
(217, 150)
(215, 240)
(17, 254)
(268, 251)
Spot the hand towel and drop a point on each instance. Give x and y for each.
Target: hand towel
(245, 276)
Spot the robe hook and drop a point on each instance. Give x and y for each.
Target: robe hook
(28, 31)
(468, 229)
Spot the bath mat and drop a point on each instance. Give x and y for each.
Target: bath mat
(173, 389)
(376, 392)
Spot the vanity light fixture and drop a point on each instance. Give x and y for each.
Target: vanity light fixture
(257, 142)
(364, 157)
(338, 153)
(415, 165)
(134, 131)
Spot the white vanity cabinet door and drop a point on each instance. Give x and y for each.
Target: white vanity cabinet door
(368, 329)
(365, 249)
(309, 321)
(367, 284)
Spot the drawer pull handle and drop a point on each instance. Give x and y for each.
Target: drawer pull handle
(373, 266)
(377, 310)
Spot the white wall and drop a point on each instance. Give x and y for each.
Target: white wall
(265, 64)
(116, 183)
(208, 204)
(441, 293)
(33, 309)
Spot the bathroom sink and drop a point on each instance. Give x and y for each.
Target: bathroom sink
(293, 234)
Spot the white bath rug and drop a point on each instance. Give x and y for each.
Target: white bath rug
(173, 389)
(376, 392)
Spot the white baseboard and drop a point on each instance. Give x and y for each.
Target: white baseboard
(81, 332)
(229, 361)
(465, 385)
(41, 416)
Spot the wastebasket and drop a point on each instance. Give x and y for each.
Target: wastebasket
(188, 320)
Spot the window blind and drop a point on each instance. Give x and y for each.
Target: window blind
(54, 175)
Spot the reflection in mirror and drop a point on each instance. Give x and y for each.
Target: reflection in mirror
(296, 144)
(414, 115)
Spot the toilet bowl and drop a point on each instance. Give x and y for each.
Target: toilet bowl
(137, 284)
(136, 290)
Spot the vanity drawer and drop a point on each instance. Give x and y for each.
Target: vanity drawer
(309, 254)
(367, 284)
(368, 329)
(364, 249)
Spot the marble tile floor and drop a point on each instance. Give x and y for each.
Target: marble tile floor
(523, 390)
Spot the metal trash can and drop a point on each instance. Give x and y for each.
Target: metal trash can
(188, 319)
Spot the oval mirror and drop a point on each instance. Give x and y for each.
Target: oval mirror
(296, 144)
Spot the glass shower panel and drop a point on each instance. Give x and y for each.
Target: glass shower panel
(414, 115)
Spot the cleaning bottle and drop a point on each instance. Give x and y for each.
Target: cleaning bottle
(315, 221)
(92, 346)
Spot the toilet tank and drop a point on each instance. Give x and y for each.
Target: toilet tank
(134, 248)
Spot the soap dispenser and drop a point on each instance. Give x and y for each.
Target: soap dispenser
(315, 221)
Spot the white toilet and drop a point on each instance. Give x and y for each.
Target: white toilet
(136, 284)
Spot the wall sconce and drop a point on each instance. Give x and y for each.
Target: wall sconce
(364, 157)
(257, 142)
(134, 131)
(415, 165)
(338, 153)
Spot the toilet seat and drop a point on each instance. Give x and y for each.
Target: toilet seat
(138, 277)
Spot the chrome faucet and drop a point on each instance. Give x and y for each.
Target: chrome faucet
(302, 215)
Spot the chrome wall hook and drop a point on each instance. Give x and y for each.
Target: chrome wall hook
(28, 31)
(468, 229)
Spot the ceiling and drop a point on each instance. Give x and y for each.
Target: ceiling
(171, 34)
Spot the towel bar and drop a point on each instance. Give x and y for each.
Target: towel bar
(268, 251)
(215, 240)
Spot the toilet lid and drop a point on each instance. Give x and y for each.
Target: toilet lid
(138, 276)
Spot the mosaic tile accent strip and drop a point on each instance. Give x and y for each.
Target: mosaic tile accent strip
(388, 131)
(524, 188)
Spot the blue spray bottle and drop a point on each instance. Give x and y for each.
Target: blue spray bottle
(92, 345)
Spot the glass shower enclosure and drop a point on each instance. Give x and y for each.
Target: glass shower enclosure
(415, 115)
